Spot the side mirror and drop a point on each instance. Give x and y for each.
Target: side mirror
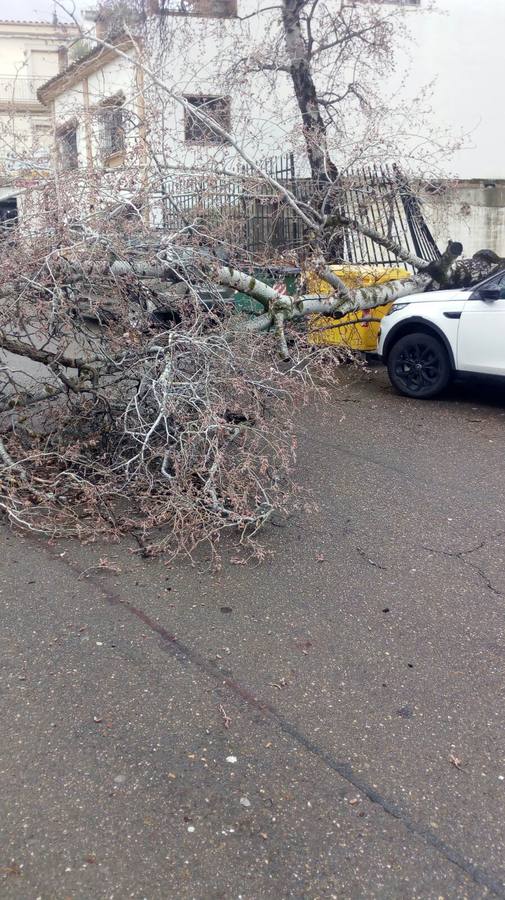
(491, 293)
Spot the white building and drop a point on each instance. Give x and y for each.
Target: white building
(458, 50)
(103, 119)
(29, 55)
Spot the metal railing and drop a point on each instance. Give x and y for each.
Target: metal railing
(254, 218)
(19, 88)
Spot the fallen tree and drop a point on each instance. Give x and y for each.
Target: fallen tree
(173, 431)
(134, 398)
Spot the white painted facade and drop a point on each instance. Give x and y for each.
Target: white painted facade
(459, 46)
(198, 55)
(455, 49)
(28, 57)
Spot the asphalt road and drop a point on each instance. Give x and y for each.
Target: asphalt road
(329, 724)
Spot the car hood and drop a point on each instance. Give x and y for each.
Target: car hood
(435, 296)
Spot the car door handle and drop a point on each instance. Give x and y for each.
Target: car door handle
(452, 315)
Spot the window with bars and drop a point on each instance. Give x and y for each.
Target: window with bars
(67, 147)
(112, 130)
(217, 108)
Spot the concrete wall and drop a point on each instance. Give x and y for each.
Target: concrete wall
(471, 211)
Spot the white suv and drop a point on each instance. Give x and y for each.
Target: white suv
(426, 338)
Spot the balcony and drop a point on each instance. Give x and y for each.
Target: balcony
(20, 91)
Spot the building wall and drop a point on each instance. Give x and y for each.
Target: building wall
(193, 56)
(471, 211)
(458, 46)
(28, 57)
(447, 43)
(457, 51)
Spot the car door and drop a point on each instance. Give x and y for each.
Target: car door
(481, 335)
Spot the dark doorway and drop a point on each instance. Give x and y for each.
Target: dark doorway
(8, 218)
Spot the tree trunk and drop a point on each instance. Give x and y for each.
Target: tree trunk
(322, 168)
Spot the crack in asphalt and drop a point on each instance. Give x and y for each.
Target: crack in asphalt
(364, 456)
(372, 562)
(462, 554)
(180, 650)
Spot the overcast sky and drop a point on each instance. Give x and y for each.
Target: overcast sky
(33, 10)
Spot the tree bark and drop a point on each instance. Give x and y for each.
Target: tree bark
(322, 168)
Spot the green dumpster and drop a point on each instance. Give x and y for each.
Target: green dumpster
(284, 278)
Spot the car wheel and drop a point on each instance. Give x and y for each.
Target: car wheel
(418, 366)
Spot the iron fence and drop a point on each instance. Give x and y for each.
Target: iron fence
(254, 218)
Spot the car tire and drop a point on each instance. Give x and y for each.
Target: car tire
(419, 366)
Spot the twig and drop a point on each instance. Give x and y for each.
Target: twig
(226, 718)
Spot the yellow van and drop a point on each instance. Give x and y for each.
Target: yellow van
(361, 336)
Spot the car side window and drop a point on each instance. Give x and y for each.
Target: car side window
(498, 282)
